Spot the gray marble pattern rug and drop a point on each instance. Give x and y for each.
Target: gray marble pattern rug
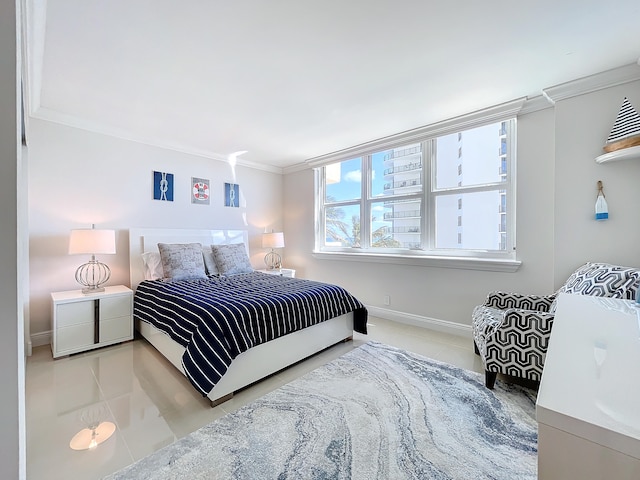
(377, 412)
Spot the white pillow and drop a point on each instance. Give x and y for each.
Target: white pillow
(182, 261)
(152, 266)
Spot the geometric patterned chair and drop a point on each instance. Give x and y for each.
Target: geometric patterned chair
(511, 331)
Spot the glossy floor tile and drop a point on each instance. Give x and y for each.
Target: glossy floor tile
(151, 404)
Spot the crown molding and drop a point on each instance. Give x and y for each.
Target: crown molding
(592, 83)
(463, 122)
(535, 104)
(298, 167)
(54, 116)
(523, 106)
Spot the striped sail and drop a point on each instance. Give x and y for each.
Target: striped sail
(627, 123)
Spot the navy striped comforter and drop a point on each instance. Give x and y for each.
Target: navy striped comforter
(219, 318)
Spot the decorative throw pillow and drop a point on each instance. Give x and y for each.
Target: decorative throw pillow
(209, 260)
(602, 280)
(630, 289)
(182, 261)
(231, 259)
(152, 266)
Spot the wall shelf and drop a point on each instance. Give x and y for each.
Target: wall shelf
(622, 154)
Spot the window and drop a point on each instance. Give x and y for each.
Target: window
(410, 195)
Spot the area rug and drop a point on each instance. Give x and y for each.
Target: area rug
(377, 412)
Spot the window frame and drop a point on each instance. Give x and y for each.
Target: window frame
(475, 259)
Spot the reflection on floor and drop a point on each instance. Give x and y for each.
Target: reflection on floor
(152, 404)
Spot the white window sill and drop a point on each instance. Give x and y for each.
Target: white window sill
(464, 263)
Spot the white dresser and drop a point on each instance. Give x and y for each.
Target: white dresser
(588, 406)
(83, 322)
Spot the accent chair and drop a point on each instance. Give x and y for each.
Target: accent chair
(511, 331)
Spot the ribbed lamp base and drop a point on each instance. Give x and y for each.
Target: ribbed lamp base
(272, 260)
(92, 275)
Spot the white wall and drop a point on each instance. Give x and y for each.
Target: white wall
(77, 178)
(12, 417)
(582, 126)
(556, 230)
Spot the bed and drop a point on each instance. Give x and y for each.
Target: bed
(260, 359)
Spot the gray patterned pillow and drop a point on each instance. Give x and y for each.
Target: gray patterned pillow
(209, 260)
(182, 261)
(231, 259)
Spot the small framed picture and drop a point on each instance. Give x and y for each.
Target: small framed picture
(163, 186)
(231, 195)
(200, 193)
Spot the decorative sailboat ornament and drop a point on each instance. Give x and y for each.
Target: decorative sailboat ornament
(602, 209)
(626, 129)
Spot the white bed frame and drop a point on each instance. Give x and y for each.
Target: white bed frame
(257, 362)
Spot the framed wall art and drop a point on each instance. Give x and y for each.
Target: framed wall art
(200, 192)
(163, 186)
(231, 195)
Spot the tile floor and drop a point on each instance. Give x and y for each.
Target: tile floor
(153, 405)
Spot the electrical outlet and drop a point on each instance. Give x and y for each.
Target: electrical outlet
(387, 300)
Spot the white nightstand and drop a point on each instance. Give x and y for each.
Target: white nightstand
(283, 272)
(84, 322)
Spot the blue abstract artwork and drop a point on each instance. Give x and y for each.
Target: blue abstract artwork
(163, 186)
(231, 195)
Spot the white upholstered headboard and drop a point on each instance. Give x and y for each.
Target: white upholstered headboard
(146, 240)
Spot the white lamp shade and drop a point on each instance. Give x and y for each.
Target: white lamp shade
(273, 240)
(92, 241)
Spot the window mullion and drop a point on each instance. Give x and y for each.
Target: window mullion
(511, 194)
(365, 202)
(320, 210)
(428, 217)
(471, 189)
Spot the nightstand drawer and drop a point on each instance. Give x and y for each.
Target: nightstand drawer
(115, 307)
(74, 338)
(114, 329)
(68, 314)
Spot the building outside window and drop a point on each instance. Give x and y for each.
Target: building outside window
(411, 196)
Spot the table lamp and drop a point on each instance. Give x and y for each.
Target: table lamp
(273, 240)
(93, 274)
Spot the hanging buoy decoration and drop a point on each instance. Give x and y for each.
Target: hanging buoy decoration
(602, 210)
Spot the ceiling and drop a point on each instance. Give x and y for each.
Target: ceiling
(290, 80)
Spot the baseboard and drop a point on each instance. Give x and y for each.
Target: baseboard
(42, 338)
(421, 321)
